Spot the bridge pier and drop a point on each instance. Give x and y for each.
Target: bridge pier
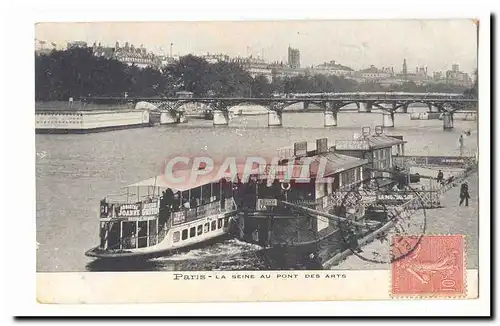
(403, 108)
(306, 105)
(388, 119)
(181, 117)
(365, 107)
(168, 117)
(433, 108)
(330, 118)
(221, 118)
(274, 118)
(447, 121)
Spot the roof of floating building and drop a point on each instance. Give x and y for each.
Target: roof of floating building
(369, 142)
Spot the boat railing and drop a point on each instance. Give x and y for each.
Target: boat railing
(123, 198)
(191, 214)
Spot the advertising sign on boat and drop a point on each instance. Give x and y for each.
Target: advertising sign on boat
(127, 210)
(263, 204)
(178, 218)
(150, 209)
(132, 210)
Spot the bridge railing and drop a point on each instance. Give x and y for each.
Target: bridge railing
(451, 161)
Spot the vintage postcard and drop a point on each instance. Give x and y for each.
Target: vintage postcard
(222, 161)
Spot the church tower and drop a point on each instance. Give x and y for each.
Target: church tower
(405, 69)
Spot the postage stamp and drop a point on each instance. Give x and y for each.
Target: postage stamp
(434, 269)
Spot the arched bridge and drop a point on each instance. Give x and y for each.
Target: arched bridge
(330, 103)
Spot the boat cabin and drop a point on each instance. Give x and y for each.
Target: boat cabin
(377, 148)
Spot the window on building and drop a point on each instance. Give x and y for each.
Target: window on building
(184, 234)
(220, 223)
(207, 227)
(199, 229)
(213, 225)
(177, 236)
(192, 232)
(226, 221)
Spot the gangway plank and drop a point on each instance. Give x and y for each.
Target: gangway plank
(311, 211)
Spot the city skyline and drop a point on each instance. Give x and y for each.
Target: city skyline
(436, 44)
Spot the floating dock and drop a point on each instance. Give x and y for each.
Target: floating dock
(79, 122)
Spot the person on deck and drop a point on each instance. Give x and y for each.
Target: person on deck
(440, 177)
(176, 202)
(461, 144)
(464, 194)
(193, 202)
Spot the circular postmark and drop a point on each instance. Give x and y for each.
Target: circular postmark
(384, 210)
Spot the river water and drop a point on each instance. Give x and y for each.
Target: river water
(73, 172)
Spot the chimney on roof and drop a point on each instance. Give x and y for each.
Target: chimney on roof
(365, 131)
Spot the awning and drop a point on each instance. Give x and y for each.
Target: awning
(179, 181)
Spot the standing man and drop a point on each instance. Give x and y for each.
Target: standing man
(461, 144)
(440, 177)
(464, 194)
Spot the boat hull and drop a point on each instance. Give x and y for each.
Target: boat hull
(213, 228)
(130, 255)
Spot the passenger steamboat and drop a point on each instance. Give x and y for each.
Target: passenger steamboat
(166, 218)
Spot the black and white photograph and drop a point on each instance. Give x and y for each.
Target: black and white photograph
(240, 150)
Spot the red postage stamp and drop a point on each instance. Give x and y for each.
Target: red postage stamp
(434, 268)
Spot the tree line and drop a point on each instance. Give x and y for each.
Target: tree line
(78, 73)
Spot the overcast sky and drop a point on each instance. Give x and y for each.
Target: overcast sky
(436, 44)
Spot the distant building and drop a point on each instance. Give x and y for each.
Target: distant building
(255, 66)
(77, 44)
(457, 77)
(293, 57)
(419, 77)
(166, 60)
(213, 58)
(372, 73)
(332, 68)
(129, 55)
(389, 70)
